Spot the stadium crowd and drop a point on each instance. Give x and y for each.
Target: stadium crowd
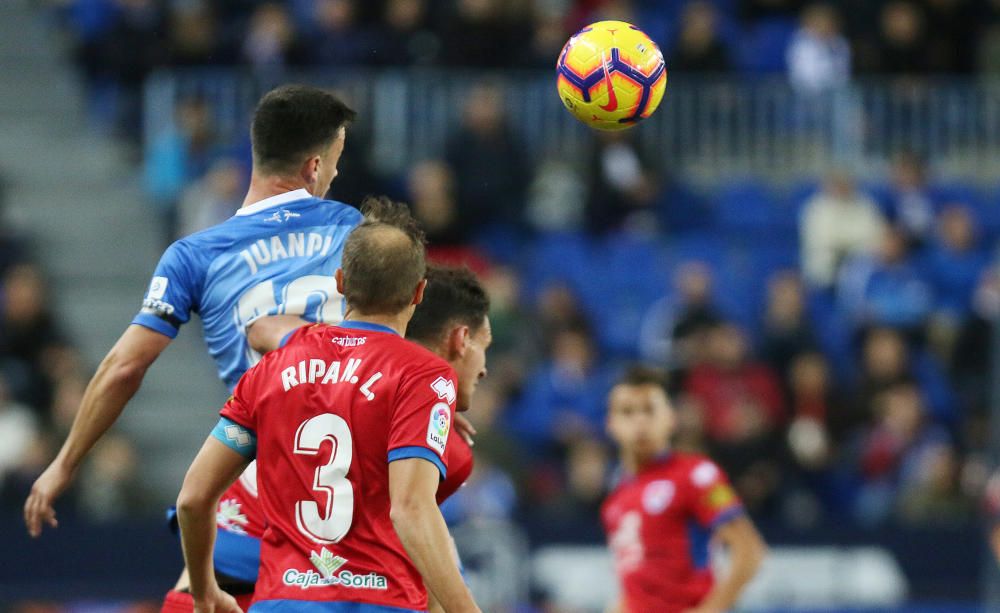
(829, 344)
(42, 377)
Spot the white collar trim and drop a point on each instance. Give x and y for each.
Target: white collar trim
(266, 203)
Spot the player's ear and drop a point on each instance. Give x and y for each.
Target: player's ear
(310, 170)
(458, 341)
(339, 276)
(418, 295)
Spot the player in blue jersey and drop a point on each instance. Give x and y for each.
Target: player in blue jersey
(276, 255)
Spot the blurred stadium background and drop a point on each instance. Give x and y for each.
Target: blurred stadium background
(805, 234)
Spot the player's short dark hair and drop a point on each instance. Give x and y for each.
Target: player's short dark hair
(452, 296)
(383, 260)
(641, 374)
(293, 122)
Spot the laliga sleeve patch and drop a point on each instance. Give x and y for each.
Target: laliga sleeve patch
(158, 287)
(439, 427)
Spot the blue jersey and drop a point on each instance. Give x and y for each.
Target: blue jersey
(277, 256)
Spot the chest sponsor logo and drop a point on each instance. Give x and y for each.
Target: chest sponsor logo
(657, 496)
(326, 574)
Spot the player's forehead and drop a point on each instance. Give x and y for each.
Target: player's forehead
(633, 396)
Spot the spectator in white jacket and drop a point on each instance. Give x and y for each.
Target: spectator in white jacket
(837, 222)
(819, 57)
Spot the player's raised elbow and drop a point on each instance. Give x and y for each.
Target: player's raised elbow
(193, 500)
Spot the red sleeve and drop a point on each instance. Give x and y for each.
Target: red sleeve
(714, 501)
(240, 407)
(422, 415)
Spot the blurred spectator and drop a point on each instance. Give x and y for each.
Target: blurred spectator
(556, 197)
(194, 36)
(836, 223)
(28, 333)
(971, 366)
(18, 429)
(269, 44)
(564, 399)
(559, 309)
(890, 290)
(176, 156)
(622, 186)
(110, 487)
(743, 411)
(675, 329)
(903, 40)
(338, 39)
(699, 48)
(955, 263)
(406, 40)
(432, 196)
(893, 450)
(819, 57)
(489, 493)
(586, 479)
(787, 330)
(130, 50)
(814, 399)
(741, 399)
(910, 204)
(932, 493)
(885, 362)
(548, 35)
(212, 199)
(488, 161)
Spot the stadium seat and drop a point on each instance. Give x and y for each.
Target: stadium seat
(747, 206)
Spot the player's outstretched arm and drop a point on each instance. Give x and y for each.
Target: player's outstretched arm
(115, 382)
(413, 485)
(266, 333)
(746, 553)
(213, 470)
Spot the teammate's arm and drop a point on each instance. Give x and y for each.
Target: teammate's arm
(746, 552)
(418, 521)
(116, 381)
(213, 470)
(266, 333)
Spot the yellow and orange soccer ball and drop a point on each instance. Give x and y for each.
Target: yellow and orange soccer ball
(611, 75)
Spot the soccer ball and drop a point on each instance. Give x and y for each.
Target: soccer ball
(611, 75)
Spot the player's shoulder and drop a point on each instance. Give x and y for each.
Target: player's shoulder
(418, 359)
(701, 470)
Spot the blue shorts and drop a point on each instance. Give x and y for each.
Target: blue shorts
(306, 606)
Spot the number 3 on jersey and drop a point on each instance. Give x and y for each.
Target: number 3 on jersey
(314, 297)
(330, 479)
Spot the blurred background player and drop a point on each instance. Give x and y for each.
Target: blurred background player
(378, 399)
(277, 254)
(666, 510)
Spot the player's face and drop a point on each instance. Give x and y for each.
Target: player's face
(640, 419)
(471, 365)
(328, 163)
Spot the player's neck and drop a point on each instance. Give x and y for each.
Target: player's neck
(635, 462)
(396, 322)
(263, 187)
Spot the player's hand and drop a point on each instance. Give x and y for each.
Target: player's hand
(465, 428)
(216, 601)
(38, 509)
